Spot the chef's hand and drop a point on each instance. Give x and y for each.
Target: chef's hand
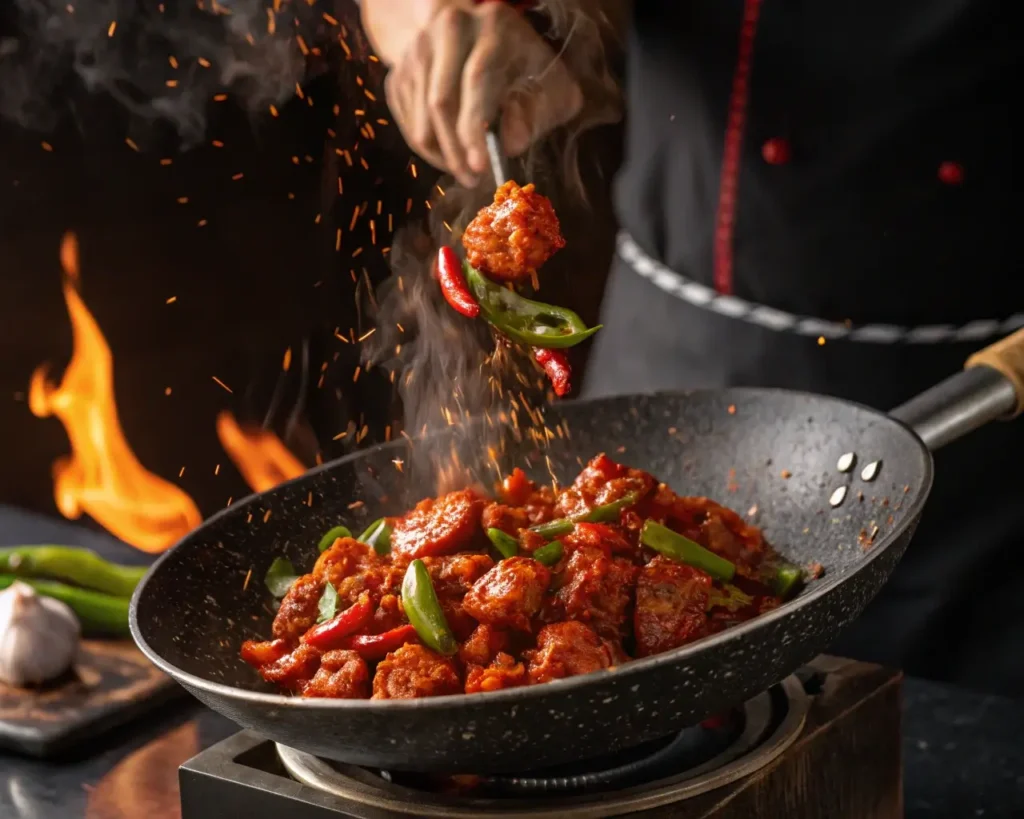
(462, 67)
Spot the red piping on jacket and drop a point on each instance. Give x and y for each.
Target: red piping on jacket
(726, 218)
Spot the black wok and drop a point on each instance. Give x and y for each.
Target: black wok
(195, 607)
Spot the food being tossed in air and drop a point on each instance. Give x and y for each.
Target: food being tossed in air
(505, 244)
(511, 238)
(467, 594)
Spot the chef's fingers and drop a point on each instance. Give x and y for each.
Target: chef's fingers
(406, 88)
(452, 31)
(546, 98)
(484, 86)
(517, 132)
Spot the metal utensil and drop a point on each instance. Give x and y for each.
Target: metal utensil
(499, 162)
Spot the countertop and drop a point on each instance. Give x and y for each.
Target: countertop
(963, 757)
(963, 751)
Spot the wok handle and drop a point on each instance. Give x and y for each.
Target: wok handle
(990, 387)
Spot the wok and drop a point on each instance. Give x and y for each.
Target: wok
(204, 597)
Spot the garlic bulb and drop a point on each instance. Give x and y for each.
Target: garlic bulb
(38, 636)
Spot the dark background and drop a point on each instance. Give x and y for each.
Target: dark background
(261, 276)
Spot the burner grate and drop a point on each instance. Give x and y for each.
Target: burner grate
(693, 762)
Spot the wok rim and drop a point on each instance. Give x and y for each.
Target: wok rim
(520, 694)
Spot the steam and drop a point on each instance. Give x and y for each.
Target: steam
(447, 371)
(160, 61)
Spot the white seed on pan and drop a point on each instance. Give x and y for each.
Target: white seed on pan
(870, 472)
(846, 462)
(838, 496)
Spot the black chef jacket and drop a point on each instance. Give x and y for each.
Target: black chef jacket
(842, 172)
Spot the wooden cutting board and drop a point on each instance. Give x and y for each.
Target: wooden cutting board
(112, 682)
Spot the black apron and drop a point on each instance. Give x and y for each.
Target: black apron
(838, 169)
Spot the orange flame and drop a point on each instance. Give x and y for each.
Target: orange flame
(259, 454)
(102, 477)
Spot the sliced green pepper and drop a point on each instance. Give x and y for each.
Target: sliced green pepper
(599, 514)
(424, 610)
(553, 528)
(549, 554)
(377, 535)
(506, 545)
(609, 511)
(327, 541)
(787, 580)
(673, 545)
(533, 323)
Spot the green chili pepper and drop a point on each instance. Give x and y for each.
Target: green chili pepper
(83, 567)
(549, 554)
(377, 535)
(673, 545)
(599, 514)
(553, 528)
(729, 597)
(98, 613)
(280, 576)
(327, 541)
(529, 322)
(787, 580)
(506, 545)
(609, 511)
(424, 610)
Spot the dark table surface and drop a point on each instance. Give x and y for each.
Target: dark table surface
(963, 751)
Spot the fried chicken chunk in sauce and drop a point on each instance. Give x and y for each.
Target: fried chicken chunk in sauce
(510, 594)
(565, 650)
(671, 600)
(602, 481)
(352, 568)
(483, 645)
(595, 587)
(298, 610)
(503, 672)
(342, 675)
(414, 671)
(508, 240)
(441, 526)
(294, 670)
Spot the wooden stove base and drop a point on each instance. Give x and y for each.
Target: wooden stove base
(846, 764)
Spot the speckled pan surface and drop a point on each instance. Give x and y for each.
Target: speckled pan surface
(195, 608)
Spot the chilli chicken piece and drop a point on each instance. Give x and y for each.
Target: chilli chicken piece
(469, 594)
(505, 245)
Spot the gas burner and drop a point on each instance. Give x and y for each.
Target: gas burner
(694, 761)
(824, 742)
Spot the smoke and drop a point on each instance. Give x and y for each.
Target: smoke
(448, 373)
(162, 61)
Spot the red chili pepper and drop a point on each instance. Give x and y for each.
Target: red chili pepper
(453, 283)
(330, 634)
(374, 647)
(556, 365)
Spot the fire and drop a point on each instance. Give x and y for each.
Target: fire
(259, 454)
(102, 477)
